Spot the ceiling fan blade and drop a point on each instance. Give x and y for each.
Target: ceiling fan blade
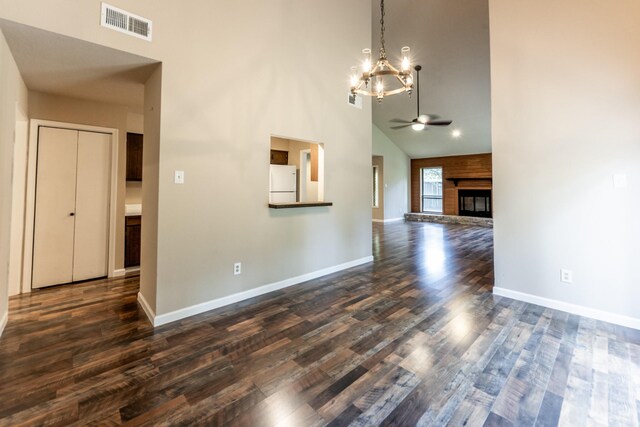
(439, 123)
(400, 121)
(400, 127)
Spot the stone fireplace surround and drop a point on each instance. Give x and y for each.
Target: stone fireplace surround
(448, 219)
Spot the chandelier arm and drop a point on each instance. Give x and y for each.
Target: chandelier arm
(386, 73)
(402, 82)
(384, 67)
(374, 93)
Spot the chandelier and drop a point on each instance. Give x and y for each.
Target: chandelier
(371, 80)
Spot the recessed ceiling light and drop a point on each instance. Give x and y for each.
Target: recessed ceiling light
(456, 133)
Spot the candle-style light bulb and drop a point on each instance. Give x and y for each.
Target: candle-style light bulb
(409, 80)
(366, 63)
(354, 77)
(379, 89)
(406, 60)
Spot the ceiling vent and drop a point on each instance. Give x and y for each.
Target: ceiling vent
(125, 22)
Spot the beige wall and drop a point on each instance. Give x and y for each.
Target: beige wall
(566, 103)
(292, 82)
(13, 93)
(135, 122)
(279, 144)
(69, 110)
(377, 212)
(397, 173)
(150, 181)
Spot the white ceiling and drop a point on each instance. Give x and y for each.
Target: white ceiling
(61, 65)
(450, 40)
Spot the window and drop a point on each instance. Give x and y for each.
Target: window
(431, 190)
(375, 187)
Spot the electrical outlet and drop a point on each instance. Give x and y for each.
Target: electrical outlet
(178, 177)
(566, 276)
(237, 268)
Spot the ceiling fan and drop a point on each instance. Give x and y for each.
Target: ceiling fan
(421, 122)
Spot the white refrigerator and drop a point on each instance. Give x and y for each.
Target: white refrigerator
(282, 184)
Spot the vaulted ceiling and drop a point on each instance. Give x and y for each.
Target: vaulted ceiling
(450, 40)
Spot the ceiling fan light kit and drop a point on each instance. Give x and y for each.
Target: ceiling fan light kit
(370, 80)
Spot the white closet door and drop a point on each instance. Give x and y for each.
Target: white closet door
(92, 206)
(55, 205)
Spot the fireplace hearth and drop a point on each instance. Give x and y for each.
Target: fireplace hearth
(474, 203)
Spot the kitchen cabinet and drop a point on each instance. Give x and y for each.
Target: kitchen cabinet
(134, 156)
(132, 239)
(279, 157)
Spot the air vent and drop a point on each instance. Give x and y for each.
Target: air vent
(125, 22)
(354, 100)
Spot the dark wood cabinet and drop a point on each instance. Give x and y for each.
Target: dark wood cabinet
(279, 157)
(132, 240)
(134, 156)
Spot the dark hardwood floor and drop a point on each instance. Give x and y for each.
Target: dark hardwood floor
(415, 338)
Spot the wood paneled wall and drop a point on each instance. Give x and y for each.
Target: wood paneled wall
(471, 166)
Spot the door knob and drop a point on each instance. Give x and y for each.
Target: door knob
(72, 214)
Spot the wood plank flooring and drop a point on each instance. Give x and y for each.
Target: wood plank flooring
(415, 338)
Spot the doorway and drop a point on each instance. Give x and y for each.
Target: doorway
(71, 189)
(312, 173)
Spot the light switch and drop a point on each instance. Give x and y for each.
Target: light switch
(178, 177)
(620, 180)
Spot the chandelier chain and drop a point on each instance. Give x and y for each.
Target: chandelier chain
(382, 50)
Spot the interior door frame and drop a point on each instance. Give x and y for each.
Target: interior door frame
(16, 244)
(32, 157)
(302, 179)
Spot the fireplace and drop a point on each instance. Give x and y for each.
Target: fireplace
(474, 203)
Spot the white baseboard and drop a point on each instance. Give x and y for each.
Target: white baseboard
(147, 309)
(593, 313)
(388, 220)
(119, 272)
(182, 313)
(3, 322)
(132, 270)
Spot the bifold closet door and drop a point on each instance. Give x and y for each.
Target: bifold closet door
(71, 229)
(55, 207)
(91, 239)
